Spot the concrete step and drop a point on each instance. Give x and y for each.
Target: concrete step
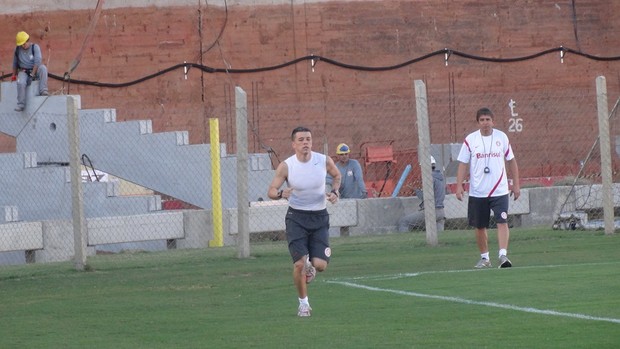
(44, 192)
(163, 162)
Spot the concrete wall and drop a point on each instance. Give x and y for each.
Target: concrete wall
(53, 240)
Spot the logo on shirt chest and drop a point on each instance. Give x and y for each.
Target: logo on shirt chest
(488, 155)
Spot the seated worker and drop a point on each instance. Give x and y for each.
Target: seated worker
(27, 66)
(415, 220)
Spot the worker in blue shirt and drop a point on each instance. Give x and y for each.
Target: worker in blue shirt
(352, 184)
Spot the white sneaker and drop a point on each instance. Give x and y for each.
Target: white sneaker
(310, 271)
(304, 310)
(504, 262)
(483, 263)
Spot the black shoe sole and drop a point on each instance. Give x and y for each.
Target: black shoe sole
(506, 264)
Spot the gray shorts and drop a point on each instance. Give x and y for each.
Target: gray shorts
(307, 232)
(479, 210)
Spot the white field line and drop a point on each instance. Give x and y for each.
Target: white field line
(404, 275)
(467, 301)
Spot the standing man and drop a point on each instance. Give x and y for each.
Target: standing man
(352, 186)
(27, 66)
(416, 220)
(307, 220)
(487, 151)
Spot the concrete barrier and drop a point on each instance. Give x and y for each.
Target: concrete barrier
(458, 209)
(53, 240)
(114, 230)
(344, 213)
(21, 236)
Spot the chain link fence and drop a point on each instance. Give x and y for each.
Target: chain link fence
(145, 191)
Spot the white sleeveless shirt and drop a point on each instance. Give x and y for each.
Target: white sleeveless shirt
(308, 182)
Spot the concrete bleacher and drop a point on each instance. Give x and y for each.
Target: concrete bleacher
(129, 150)
(35, 178)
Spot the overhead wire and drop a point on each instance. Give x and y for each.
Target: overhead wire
(219, 36)
(89, 32)
(574, 19)
(252, 127)
(316, 59)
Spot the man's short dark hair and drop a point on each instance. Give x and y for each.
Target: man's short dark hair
(299, 129)
(484, 111)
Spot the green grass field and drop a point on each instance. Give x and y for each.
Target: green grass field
(388, 291)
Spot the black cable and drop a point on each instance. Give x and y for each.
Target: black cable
(592, 57)
(575, 32)
(219, 36)
(363, 68)
(508, 60)
(316, 59)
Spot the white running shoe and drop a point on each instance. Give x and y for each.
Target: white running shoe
(483, 263)
(310, 271)
(304, 310)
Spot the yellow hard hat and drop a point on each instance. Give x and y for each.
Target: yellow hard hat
(21, 38)
(342, 149)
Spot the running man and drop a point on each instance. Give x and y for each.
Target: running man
(307, 220)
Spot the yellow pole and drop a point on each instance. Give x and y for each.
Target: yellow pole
(216, 184)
